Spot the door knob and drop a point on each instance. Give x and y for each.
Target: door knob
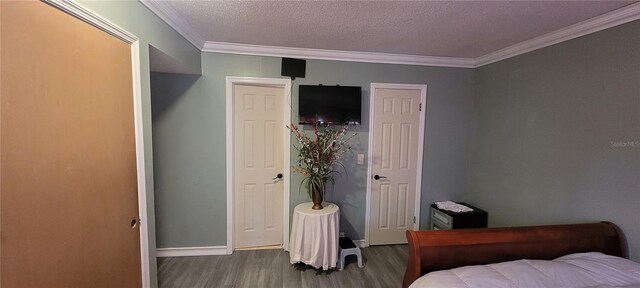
(279, 176)
(377, 177)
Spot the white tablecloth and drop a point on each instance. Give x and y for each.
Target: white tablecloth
(314, 235)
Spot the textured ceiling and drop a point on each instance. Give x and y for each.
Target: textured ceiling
(463, 29)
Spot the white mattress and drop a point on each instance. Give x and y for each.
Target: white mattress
(592, 269)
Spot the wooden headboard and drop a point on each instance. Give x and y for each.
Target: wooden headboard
(446, 249)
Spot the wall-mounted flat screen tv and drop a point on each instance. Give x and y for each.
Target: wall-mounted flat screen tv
(334, 105)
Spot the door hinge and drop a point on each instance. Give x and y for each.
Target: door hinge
(414, 219)
(420, 106)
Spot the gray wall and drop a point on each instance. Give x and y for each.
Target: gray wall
(189, 141)
(541, 145)
(151, 30)
(548, 131)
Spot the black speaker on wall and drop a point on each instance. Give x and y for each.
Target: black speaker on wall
(293, 68)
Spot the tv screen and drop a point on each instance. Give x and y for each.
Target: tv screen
(334, 105)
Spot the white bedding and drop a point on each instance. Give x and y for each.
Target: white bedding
(591, 270)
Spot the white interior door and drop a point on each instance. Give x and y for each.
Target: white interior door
(258, 160)
(395, 161)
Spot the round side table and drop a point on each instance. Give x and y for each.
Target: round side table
(314, 235)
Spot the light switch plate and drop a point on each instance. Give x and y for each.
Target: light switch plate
(360, 159)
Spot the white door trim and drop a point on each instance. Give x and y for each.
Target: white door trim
(278, 82)
(423, 103)
(78, 11)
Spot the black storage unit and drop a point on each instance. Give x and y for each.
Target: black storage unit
(443, 219)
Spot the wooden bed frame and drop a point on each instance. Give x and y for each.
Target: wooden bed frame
(447, 249)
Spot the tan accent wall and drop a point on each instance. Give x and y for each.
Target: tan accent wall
(69, 189)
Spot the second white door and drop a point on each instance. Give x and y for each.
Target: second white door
(395, 160)
(258, 165)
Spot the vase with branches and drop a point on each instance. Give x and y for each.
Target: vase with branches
(318, 157)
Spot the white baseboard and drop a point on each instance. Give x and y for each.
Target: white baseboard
(191, 251)
(360, 243)
(208, 250)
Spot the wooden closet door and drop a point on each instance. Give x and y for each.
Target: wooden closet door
(68, 182)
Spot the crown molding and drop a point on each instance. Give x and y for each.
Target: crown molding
(93, 19)
(175, 20)
(336, 55)
(617, 17)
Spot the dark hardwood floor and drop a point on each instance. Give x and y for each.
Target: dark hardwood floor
(384, 267)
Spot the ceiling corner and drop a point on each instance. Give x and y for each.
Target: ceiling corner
(163, 10)
(617, 17)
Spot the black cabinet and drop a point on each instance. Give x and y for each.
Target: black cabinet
(444, 219)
